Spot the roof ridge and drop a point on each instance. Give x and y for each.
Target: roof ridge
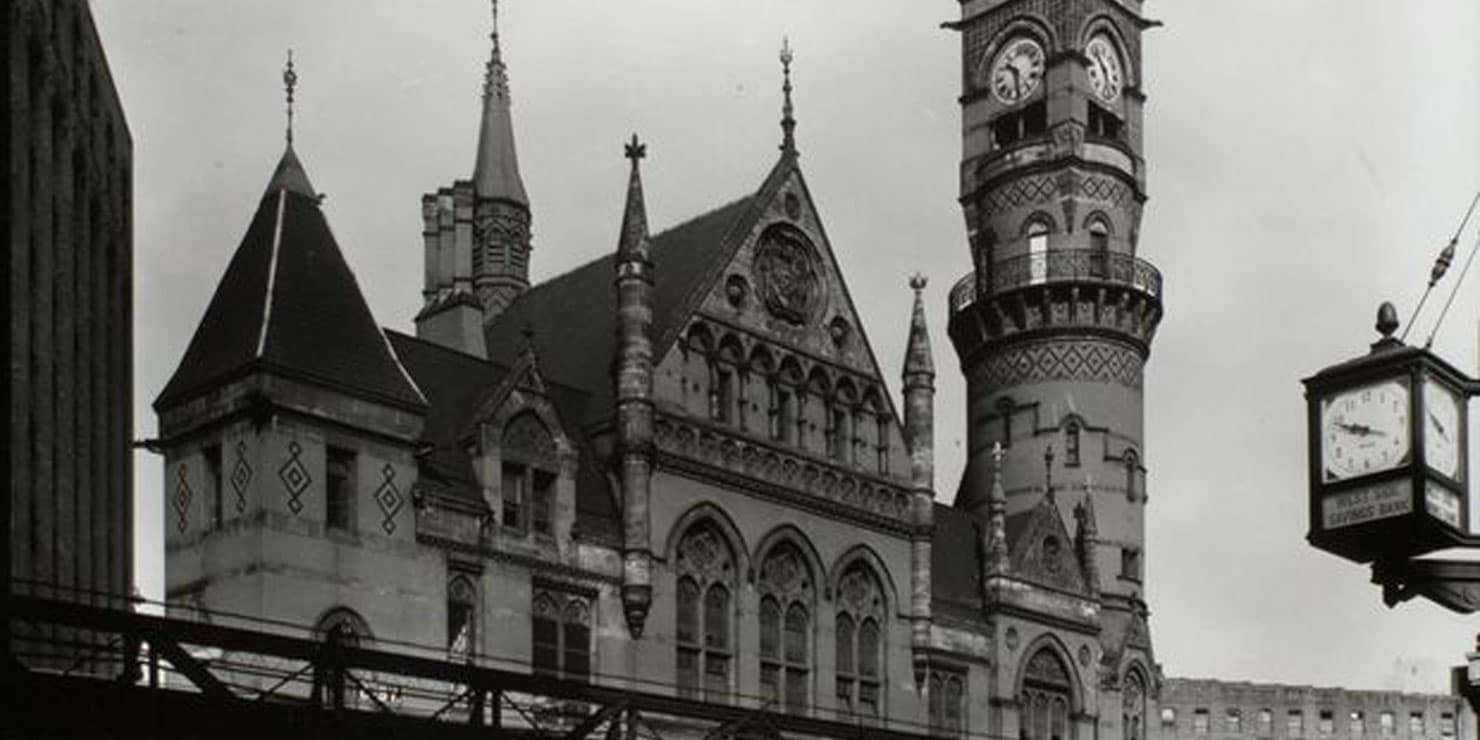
(442, 347)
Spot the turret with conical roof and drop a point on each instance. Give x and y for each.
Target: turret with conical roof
(919, 430)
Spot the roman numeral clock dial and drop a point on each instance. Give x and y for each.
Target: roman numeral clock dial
(1365, 431)
(1017, 70)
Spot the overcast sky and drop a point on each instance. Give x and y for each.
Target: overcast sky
(1307, 159)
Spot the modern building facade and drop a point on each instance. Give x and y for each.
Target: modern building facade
(1225, 710)
(67, 282)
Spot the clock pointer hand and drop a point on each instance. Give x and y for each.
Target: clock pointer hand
(1438, 425)
(1361, 430)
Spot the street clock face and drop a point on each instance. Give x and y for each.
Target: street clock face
(1365, 430)
(1106, 78)
(1017, 70)
(1441, 428)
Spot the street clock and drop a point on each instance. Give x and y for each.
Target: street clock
(1388, 434)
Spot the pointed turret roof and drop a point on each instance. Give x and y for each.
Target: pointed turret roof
(289, 304)
(290, 176)
(917, 356)
(496, 170)
(633, 243)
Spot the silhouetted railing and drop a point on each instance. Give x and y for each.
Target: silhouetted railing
(1059, 266)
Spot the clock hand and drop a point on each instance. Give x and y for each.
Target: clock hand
(1439, 425)
(1361, 430)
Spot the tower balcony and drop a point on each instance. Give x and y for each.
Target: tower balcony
(1073, 290)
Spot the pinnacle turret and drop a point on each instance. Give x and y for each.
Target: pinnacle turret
(496, 170)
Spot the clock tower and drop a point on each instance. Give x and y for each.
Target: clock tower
(1054, 323)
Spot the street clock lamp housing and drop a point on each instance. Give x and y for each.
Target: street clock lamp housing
(1388, 435)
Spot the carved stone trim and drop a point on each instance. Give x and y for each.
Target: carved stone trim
(777, 474)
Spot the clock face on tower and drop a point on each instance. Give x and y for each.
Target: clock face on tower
(1441, 429)
(1017, 70)
(1365, 430)
(1105, 75)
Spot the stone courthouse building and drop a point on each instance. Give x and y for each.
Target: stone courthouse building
(678, 468)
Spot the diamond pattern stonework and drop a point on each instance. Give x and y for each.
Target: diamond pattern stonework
(181, 500)
(389, 498)
(295, 477)
(241, 477)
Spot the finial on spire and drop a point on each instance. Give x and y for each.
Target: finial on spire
(918, 282)
(635, 150)
(633, 244)
(495, 75)
(788, 123)
(290, 81)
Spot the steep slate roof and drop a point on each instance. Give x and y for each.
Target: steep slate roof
(290, 304)
(574, 315)
(955, 563)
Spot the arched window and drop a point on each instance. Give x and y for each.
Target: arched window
(727, 402)
(527, 485)
(860, 641)
(561, 634)
(1099, 245)
(947, 706)
(785, 401)
(786, 589)
(840, 427)
(706, 578)
(1045, 698)
(1037, 235)
(1133, 715)
(1071, 443)
(1132, 466)
(332, 686)
(462, 605)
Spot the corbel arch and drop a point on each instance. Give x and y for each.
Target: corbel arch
(784, 533)
(1051, 643)
(861, 553)
(706, 511)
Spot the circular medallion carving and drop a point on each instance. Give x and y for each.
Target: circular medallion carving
(786, 274)
(1012, 638)
(736, 290)
(839, 330)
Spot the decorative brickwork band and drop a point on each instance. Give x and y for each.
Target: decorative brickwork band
(1037, 362)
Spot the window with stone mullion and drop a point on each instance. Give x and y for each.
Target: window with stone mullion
(858, 628)
(704, 604)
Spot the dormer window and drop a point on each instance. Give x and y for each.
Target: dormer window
(527, 483)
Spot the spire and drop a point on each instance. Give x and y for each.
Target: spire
(997, 557)
(788, 123)
(917, 357)
(496, 171)
(290, 175)
(634, 239)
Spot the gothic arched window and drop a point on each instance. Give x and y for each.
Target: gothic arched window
(706, 582)
(561, 633)
(1045, 698)
(1133, 714)
(331, 684)
(786, 592)
(462, 604)
(1036, 233)
(1132, 464)
(860, 641)
(527, 489)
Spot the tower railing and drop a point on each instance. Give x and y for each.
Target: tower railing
(1057, 266)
